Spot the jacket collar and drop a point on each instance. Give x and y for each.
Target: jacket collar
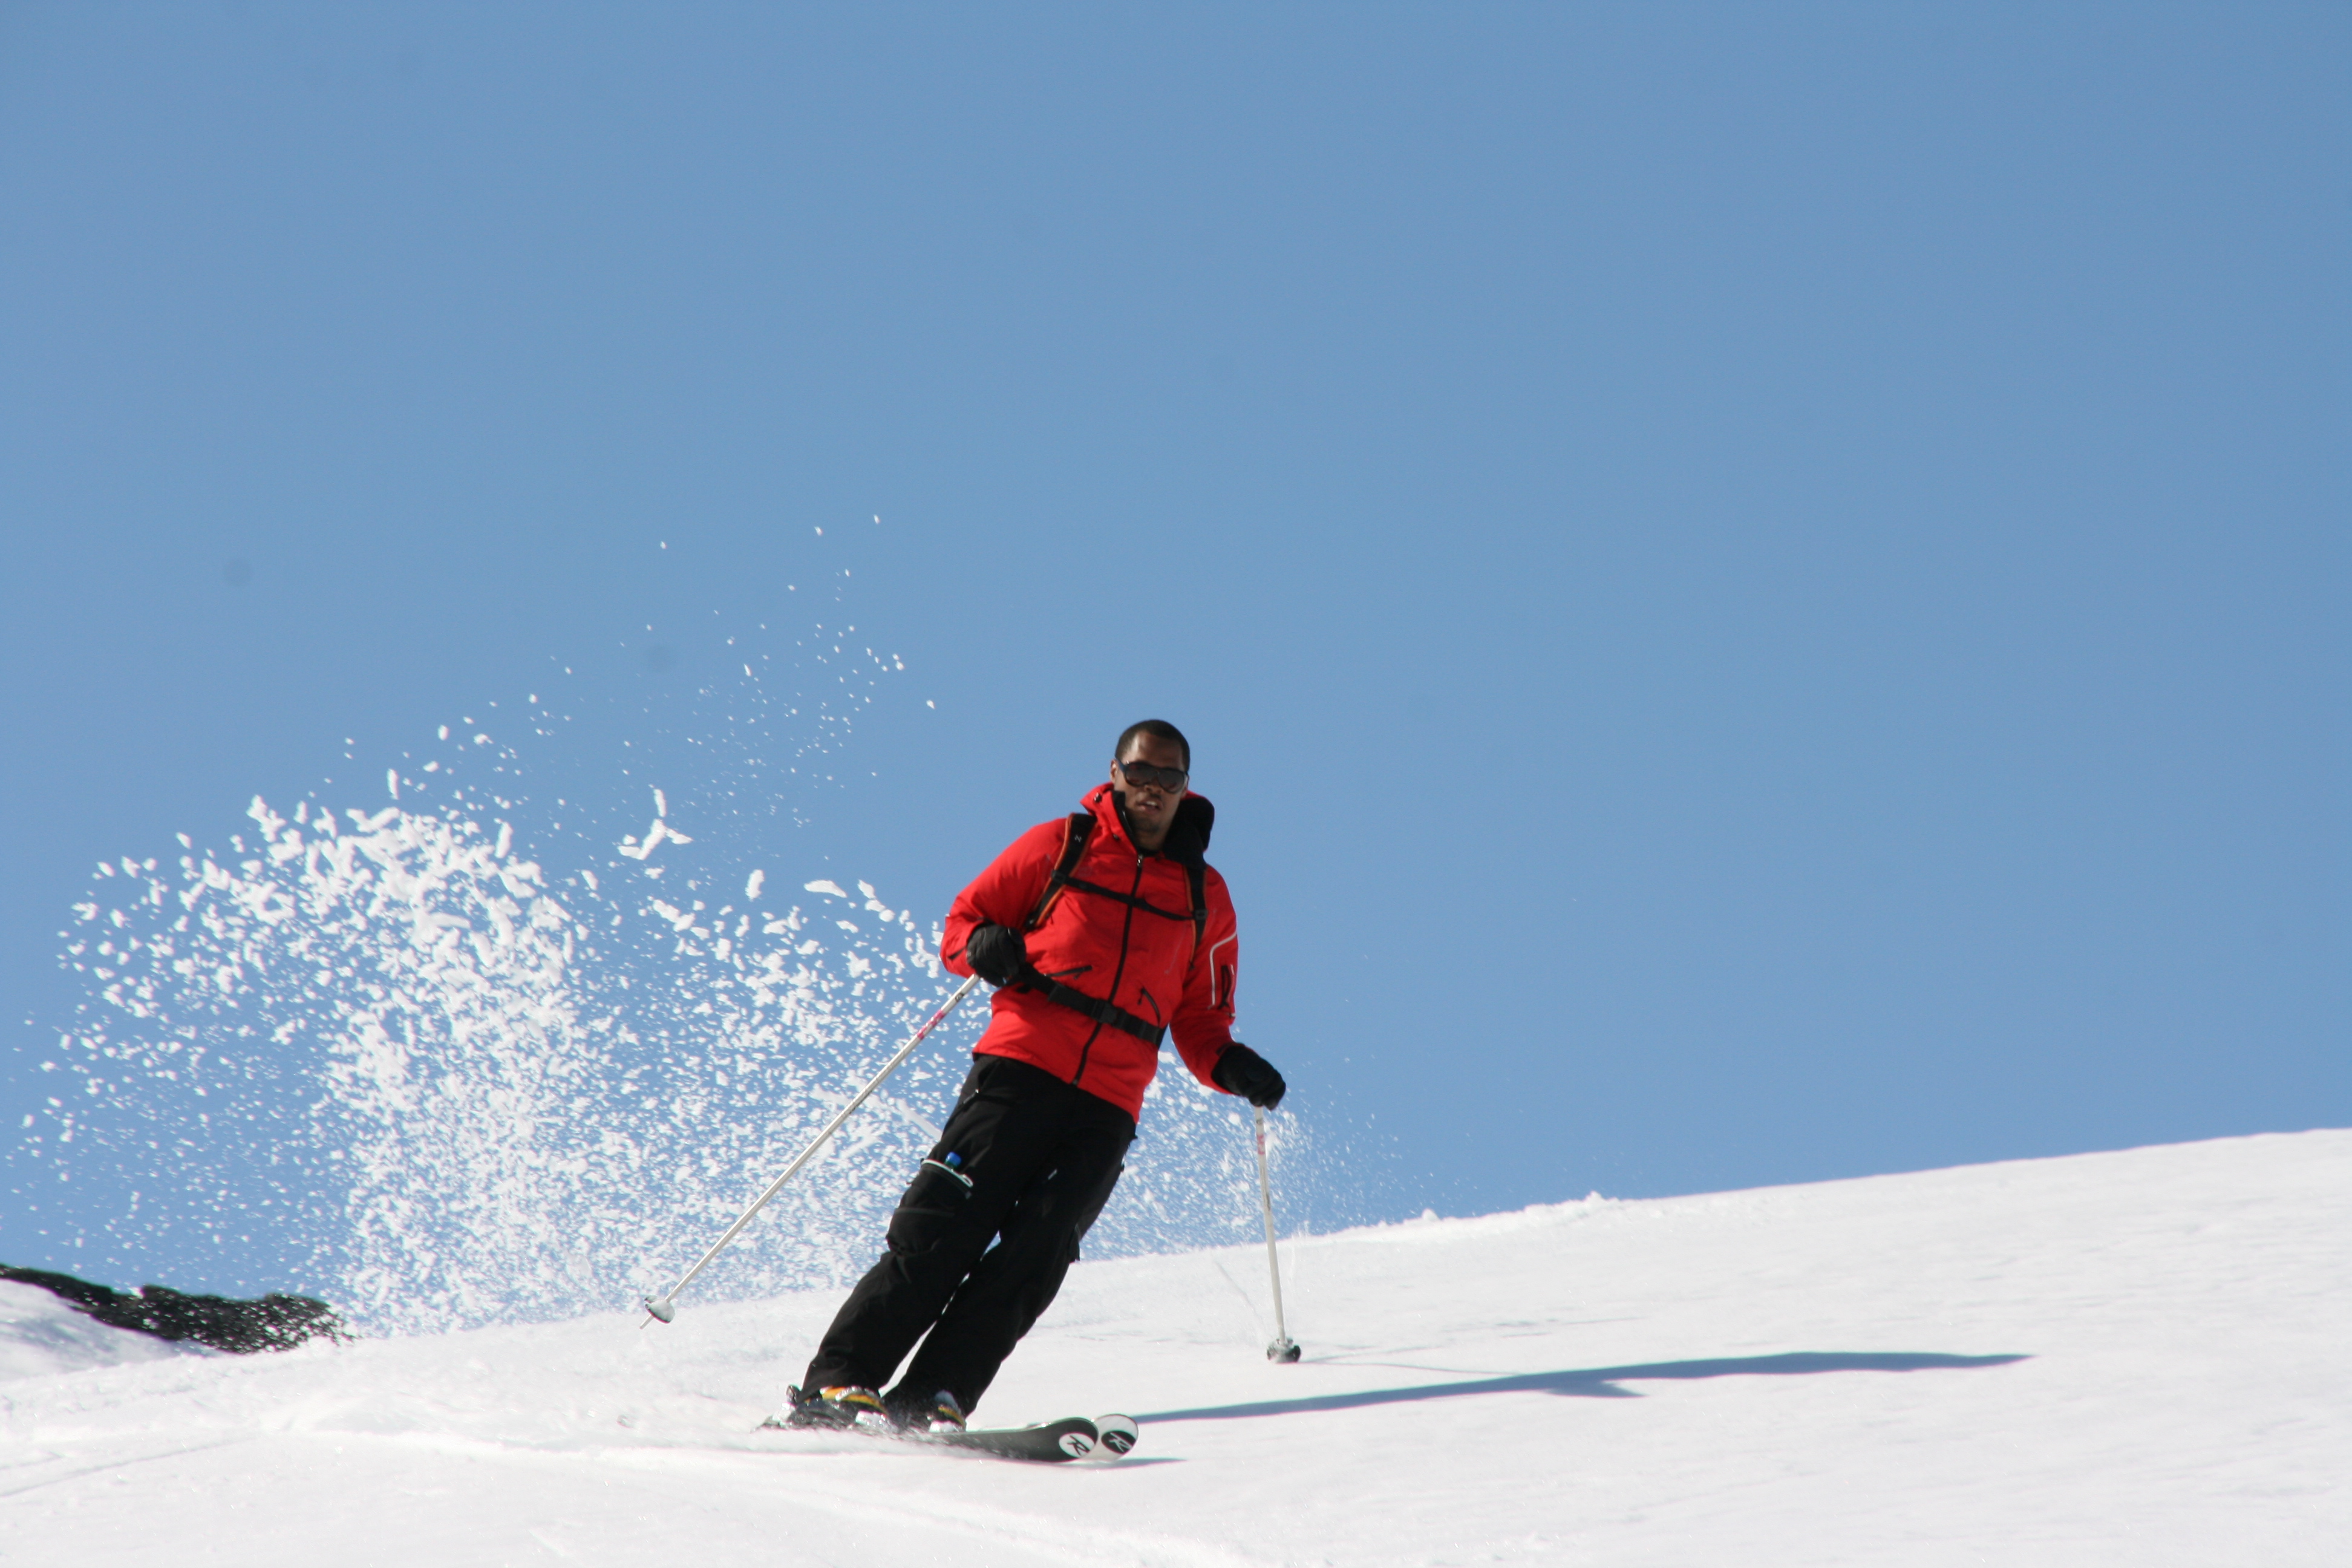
(1188, 835)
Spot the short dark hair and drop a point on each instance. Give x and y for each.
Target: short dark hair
(1160, 727)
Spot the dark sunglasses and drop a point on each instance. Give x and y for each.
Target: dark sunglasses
(1141, 774)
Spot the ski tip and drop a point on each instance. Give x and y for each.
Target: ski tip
(1115, 1436)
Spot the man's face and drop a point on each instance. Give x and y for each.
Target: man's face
(1150, 805)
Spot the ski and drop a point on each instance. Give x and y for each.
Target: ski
(1053, 1442)
(1049, 1442)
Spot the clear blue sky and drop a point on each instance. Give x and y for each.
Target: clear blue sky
(1761, 591)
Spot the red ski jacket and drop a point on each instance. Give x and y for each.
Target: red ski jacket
(1122, 932)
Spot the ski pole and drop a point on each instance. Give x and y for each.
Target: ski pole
(664, 1306)
(1284, 1349)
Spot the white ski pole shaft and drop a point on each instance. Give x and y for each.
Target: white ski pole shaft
(1283, 1348)
(664, 1306)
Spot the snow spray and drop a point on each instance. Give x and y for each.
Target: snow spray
(463, 1053)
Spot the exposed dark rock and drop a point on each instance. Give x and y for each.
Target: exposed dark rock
(275, 1323)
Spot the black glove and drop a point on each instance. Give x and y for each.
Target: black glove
(995, 954)
(1243, 1071)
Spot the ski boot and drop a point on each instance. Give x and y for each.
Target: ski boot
(909, 1412)
(836, 1408)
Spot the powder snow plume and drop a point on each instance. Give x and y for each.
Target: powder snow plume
(394, 1055)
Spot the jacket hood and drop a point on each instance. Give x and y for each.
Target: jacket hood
(1188, 835)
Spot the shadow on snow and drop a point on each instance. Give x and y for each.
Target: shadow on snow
(1597, 1383)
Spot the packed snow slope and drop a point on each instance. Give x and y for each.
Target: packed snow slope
(2126, 1358)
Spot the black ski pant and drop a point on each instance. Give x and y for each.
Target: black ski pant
(1036, 1160)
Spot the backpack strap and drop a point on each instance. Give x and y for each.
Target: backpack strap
(1076, 832)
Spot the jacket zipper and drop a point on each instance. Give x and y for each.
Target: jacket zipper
(1126, 929)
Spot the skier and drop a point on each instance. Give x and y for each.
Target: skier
(1101, 931)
